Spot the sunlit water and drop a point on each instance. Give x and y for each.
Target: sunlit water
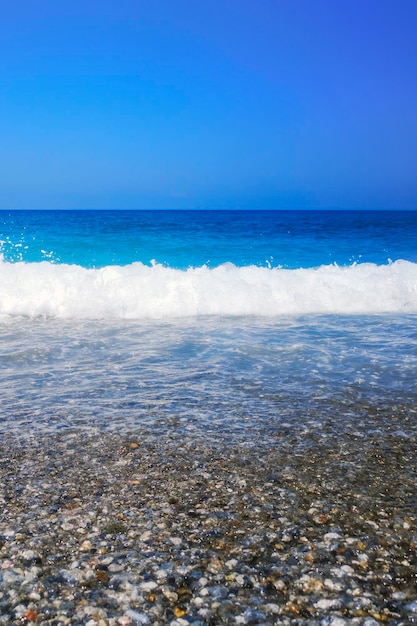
(269, 339)
(245, 380)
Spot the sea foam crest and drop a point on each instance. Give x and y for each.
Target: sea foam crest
(139, 291)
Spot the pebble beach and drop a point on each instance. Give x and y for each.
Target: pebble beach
(107, 529)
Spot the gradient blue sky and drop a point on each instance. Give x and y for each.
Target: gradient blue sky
(208, 104)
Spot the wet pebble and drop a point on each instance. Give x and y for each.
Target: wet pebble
(186, 533)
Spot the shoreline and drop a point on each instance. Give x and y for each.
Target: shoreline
(115, 529)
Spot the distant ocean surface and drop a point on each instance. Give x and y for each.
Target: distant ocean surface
(226, 323)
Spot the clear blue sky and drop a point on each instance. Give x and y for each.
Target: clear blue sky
(208, 104)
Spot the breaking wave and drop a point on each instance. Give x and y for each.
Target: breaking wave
(139, 291)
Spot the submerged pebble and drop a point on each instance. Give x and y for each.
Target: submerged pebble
(190, 532)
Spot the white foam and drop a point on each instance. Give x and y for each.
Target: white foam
(139, 291)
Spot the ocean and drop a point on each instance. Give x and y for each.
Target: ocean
(208, 418)
(226, 323)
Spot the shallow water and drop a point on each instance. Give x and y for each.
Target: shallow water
(241, 379)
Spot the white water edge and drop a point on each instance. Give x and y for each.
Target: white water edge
(138, 291)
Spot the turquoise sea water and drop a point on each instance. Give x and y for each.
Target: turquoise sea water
(235, 325)
(182, 239)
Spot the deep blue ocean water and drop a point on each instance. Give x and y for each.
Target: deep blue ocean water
(230, 325)
(182, 239)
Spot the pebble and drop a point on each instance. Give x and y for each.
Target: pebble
(411, 606)
(327, 603)
(136, 617)
(145, 536)
(148, 586)
(205, 537)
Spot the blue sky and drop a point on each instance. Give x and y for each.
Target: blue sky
(208, 104)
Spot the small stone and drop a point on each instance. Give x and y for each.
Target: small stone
(177, 541)
(136, 617)
(329, 537)
(30, 557)
(311, 585)
(102, 576)
(411, 607)
(356, 592)
(279, 584)
(399, 595)
(170, 595)
(292, 608)
(117, 567)
(204, 592)
(35, 596)
(214, 566)
(327, 603)
(145, 536)
(272, 609)
(253, 616)
(179, 611)
(148, 586)
(333, 585)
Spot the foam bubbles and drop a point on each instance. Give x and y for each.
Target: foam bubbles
(139, 291)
